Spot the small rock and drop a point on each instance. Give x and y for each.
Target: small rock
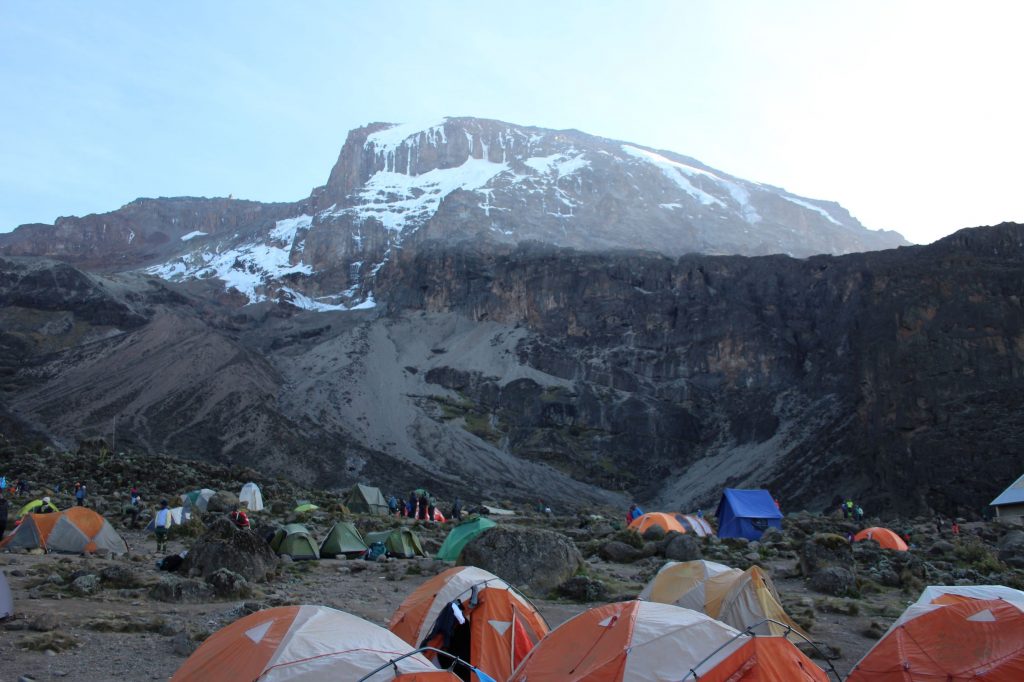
(182, 645)
(85, 584)
(44, 622)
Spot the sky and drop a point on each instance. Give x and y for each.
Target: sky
(909, 114)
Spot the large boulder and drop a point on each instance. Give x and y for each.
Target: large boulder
(822, 550)
(225, 546)
(834, 580)
(1011, 549)
(619, 552)
(683, 548)
(536, 558)
(222, 502)
(178, 590)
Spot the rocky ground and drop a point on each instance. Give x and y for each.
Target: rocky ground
(101, 617)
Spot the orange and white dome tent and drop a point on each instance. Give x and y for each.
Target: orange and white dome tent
(951, 634)
(887, 539)
(680, 523)
(504, 625)
(309, 643)
(75, 531)
(637, 640)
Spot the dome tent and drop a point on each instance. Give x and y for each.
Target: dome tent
(196, 500)
(503, 624)
(251, 497)
(885, 538)
(460, 535)
(313, 643)
(296, 541)
(343, 539)
(76, 530)
(637, 640)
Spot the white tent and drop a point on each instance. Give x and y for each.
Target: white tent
(6, 600)
(251, 497)
(176, 514)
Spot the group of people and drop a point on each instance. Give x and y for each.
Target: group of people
(851, 510)
(12, 487)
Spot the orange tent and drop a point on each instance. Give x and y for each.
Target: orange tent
(639, 640)
(504, 625)
(664, 521)
(976, 639)
(76, 531)
(312, 643)
(886, 538)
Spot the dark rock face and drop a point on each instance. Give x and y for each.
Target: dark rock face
(1011, 549)
(893, 377)
(226, 547)
(683, 548)
(537, 558)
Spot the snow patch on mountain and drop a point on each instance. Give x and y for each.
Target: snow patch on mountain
(678, 173)
(190, 235)
(250, 268)
(398, 201)
(812, 207)
(558, 164)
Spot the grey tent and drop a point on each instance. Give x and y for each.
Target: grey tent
(343, 539)
(296, 541)
(365, 499)
(6, 600)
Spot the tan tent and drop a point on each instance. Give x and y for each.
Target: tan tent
(739, 598)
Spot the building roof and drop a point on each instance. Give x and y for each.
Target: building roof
(1012, 495)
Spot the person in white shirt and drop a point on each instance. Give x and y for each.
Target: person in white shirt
(162, 526)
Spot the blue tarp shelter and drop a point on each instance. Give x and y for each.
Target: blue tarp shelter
(746, 513)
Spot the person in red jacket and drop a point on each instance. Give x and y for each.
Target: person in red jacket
(239, 517)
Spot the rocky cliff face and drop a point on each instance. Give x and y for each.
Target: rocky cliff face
(532, 370)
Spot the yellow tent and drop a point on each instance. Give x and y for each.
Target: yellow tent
(738, 598)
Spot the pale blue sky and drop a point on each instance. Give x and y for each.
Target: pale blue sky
(909, 114)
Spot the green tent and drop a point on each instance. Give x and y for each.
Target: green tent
(305, 508)
(365, 499)
(343, 539)
(400, 542)
(296, 541)
(460, 535)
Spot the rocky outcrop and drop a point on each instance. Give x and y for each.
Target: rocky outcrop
(241, 552)
(538, 559)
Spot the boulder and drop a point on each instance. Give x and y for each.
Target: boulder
(222, 502)
(683, 548)
(176, 590)
(941, 548)
(619, 552)
(654, 533)
(119, 576)
(85, 584)
(834, 580)
(228, 584)
(583, 588)
(824, 549)
(535, 557)
(225, 546)
(1011, 549)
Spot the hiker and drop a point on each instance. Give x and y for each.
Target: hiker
(848, 508)
(700, 513)
(80, 494)
(239, 517)
(3, 485)
(133, 494)
(858, 514)
(3, 515)
(46, 507)
(540, 506)
(634, 512)
(162, 525)
(956, 529)
(22, 486)
(457, 509)
(410, 507)
(430, 507)
(421, 509)
(134, 508)
(392, 505)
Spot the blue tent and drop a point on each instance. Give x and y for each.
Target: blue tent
(746, 513)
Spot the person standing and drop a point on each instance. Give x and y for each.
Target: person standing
(162, 526)
(457, 509)
(80, 495)
(3, 515)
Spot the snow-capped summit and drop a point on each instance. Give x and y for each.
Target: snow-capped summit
(458, 179)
